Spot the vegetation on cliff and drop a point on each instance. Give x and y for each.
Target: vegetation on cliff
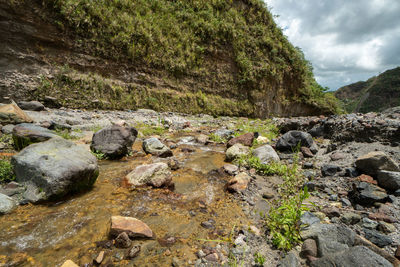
(376, 94)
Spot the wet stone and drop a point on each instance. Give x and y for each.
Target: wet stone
(132, 226)
(210, 224)
(133, 252)
(123, 240)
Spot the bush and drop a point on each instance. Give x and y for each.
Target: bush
(6, 171)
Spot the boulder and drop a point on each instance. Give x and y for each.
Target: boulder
(223, 133)
(230, 169)
(7, 204)
(377, 238)
(266, 154)
(244, 139)
(236, 151)
(354, 256)
(114, 141)
(54, 168)
(389, 180)
(154, 147)
(7, 129)
(374, 162)
(367, 194)
(132, 226)
(290, 141)
(290, 260)
(239, 182)
(26, 133)
(12, 114)
(156, 175)
(31, 105)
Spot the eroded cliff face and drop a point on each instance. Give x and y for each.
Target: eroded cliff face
(40, 62)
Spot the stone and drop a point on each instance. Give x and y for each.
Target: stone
(327, 246)
(397, 253)
(369, 224)
(244, 139)
(350, 218)
(386, 228)
(100, 257)
(367, 194)
(132, 226)
(367, 179)
(123, 240)
(351, 172)
(230, 169)
(266, 154)
(236, 151)
(354, 256)
(133, 252)
(239, 182)
(154, 147)
(377, 238)
(69, 263)
(55, 168)
(223, 133)
(114, 141)
(213, 257)
(309, 248)
(156, 175)
(374, 162)
(329, 170)
(202, 139)
(26, 133)
(31, 105)
(7, 129)
(381, 217)
(337, 156)
(7, 204)
(290, 260)
(306, 152)
(210, 224)
(290, 141)
(308, 219)
(331, 212)
(174, 164)
(389, 180)
(332, 232)
(12, 114)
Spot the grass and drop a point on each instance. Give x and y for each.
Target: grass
(148, 130)
(271, 168)
(7, 139)
(6, 171)
(217, 139)
(259, 259)
(65, 134)
(99, 155)
(265, 128)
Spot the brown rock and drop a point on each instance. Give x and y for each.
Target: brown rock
(99, 257)
(244, 139)
(381, 217)
(238, 183)
(306, 152)
(69, 263)
(132, 226)
(230, 169)
(376, 161)
(309, 248)
(12, 114)
(397, 253)
(367, 179)
(212, 257)
(337, 156)
(133, 252)
(331, 212)
(123, 241)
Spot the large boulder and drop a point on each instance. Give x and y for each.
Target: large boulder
(376, 161)
(156, 175)
(389, 180)
(7, 204)
(292, 140)
(26, 133)
(54, 168)
(12, 114)
(236, 151)
(154, 147)
(31, 105)
(244, 139)
(266, 154)
(114, 141)
(132, 226)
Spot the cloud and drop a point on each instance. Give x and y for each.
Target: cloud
(346, 41)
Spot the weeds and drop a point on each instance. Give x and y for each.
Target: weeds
(6, 171)
(99, 155)
(217, 139)
(65, 134)
(271, 168)
(147, 130)
(263, 127)
(259, 259)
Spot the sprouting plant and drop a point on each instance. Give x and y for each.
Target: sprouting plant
(217, 139)
(99, 155)
(259, 259)
(6, 171)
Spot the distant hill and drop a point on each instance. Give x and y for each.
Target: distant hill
(376, 94)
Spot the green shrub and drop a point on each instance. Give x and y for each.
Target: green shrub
(6, 171)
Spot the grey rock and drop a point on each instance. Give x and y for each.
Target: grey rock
(290, 260)
(8, 129)
(7, 204)
(359, 256)
(386, 228)
(27, 133)
(223, 133)
(377, 238)
(55, 168)
(389, 180)
(369, 224)
(156, 175)
(308, 219)
(329, 169)
(236, 151)
(266, 154)
(345, 202)
(332, 232)
(31, 105)
(114, 141)
(351, 172)
(154, 147)
(290, 140)
(230, 169)
(328, 246)
(367, 194)
(350, 218)
(374, 162)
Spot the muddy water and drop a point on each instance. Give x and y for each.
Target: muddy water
(47, 235)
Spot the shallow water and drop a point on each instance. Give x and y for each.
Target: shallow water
(47, 235)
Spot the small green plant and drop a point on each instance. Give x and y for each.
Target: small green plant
(6, 171)
(99, 155)
(229, 239)
(265, 128)
(96, 128)
(216, 138)
(148, 130)
(65, 134)
(261, 168)
(259, 259)
(7, 139)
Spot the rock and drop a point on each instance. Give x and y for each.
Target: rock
(327, 246)
(69, 263)
(210, 224)
(156, 175)
(123, 241)
(239, 182)
(290, 260)
(374, 162)
(309, 248)
(367, 194)
(389, 180)
(244, 139)
(8, 129)
(331, 232)
(397, 253)
(331, 212)
(100, 257)
(25, 134)
(354, 256)
(262, 140)
(306, 152)
(51, 102)
(223, 133)
(367, 179)
(202, 139)
(381, 217)
(351, 172)
(266, 154)
(386, 228)
(377, 238)
(31, 105)
(350, 218)
(337, 156)
(54, 168)
(12, 114)
(174, 164)
(308, 219)
(329, 169)
(290, 141)
(236, 151)
(230, 169)
(7, 204)
(114, 141)
(154, 147)
(133, 252)
(212, 257)
(132, 226)
(369, 224)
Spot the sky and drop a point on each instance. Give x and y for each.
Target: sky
(346, 41)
